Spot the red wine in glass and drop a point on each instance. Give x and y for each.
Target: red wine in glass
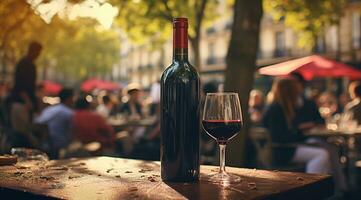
(222, 120)
(222, 130)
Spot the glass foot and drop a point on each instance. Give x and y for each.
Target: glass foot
(222, 178)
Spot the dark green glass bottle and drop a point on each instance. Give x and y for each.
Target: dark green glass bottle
(180, 121)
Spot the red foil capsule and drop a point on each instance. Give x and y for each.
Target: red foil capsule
(180, 33)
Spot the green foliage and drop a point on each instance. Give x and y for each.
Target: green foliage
(81, 50)
(16, 18)
(307, 17)
(75, 49)
(149, 20)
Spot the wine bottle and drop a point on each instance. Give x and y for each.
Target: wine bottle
(180, 121)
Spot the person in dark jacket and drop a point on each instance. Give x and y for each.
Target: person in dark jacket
(280, 118)
(286, 118)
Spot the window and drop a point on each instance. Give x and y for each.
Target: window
(320, 45)
(211, 54)
(211, 30)
(228, 26)
(356, 29)
(280, 44)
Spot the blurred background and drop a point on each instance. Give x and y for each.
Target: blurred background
(130, 41)
(100, 63)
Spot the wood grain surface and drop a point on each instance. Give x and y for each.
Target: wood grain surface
(116, 178)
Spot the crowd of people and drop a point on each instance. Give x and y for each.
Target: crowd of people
(78, 117)
(287, 114)
(28, 119)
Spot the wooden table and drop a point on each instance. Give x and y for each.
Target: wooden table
(331, 133)
(119, 124)
(115, 178)
(348, 143)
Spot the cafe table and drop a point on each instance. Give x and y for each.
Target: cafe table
(348, 143)
(116, 178)
(323, 132)
(122, 123)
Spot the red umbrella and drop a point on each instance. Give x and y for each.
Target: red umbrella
(90, 84)
(93, 83)
(105, 85)
(51, 88)
(312, 66)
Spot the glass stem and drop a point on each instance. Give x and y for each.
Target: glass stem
(222, 158)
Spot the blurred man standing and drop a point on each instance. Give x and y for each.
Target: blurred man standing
(25, 72)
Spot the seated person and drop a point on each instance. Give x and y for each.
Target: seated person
(256, 106)
(89, 126)
(133, 107)
(105, 107)
(59, 119)
(286, 118)
(354, 107)
(328, 105)
(148, 146)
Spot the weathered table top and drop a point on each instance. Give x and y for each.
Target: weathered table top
(121, 123)
(115, 178)
(330, 133)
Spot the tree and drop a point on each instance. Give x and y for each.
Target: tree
(308, 18)
(80, 49)
(14, 18)
(147, 21)
(241, 62)
(73, 49)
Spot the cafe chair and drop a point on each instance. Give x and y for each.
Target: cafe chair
(262, 141)
(5, 143)
(79, 149)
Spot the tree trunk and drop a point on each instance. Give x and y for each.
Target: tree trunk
(241, 64)
(3, 70)
(196, 52)
(199, 15)
(314, 49)
(338, 52)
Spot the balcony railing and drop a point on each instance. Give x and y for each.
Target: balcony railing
(149, 66)
(279, 53)
(211, 30)
(215, 61)
(228, 26)
(211, 61)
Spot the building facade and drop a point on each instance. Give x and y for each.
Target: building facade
(144, 65)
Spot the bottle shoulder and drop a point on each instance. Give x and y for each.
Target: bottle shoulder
(180, 70)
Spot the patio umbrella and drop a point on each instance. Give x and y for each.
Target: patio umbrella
(51, 88)
(90, 84)
(94, 83)
(312, 66)
(106, 85)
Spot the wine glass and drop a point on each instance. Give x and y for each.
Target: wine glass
(222, 120)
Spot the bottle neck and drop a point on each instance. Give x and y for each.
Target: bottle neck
(180, 44)
(180, 54)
